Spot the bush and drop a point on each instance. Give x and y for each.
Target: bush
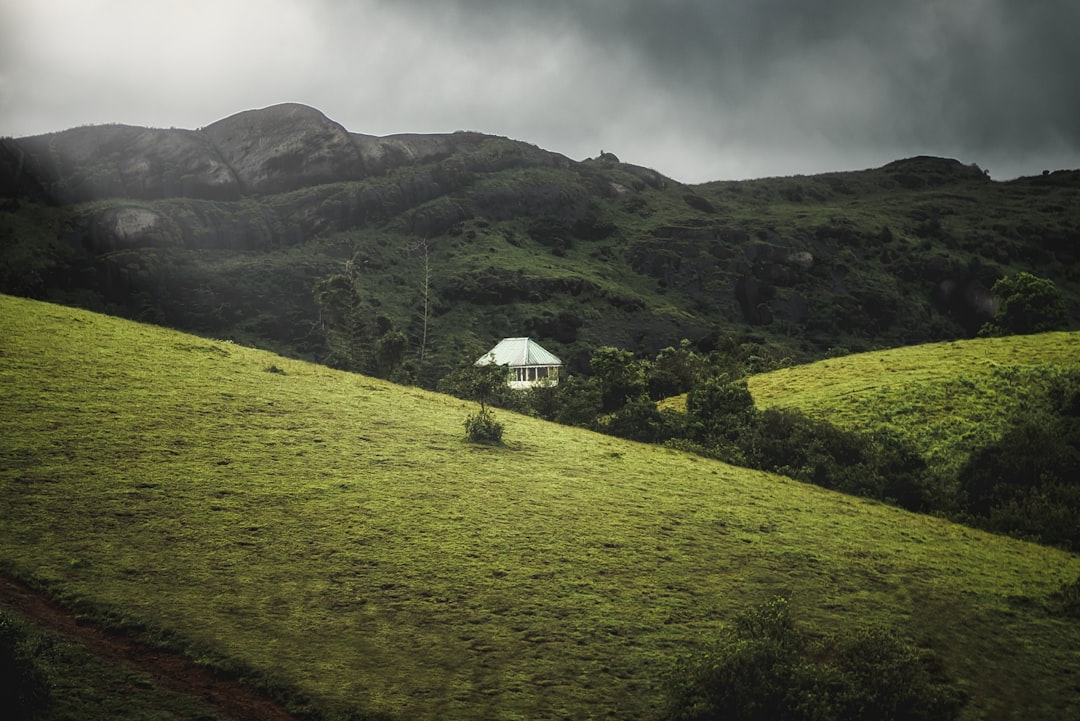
(722, 410)
(638, 420)
(483, 428)
(24, 686)
(766, 669)
(1027, 482)
(580, 401)
(1066, 600)
(1027, 304)
(873, 465)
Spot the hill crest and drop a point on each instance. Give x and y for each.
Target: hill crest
(254, 152)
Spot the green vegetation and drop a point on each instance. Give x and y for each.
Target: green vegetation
(334, 537)
(403, 271)
(24, 685)
(44, 677)
(1066, 600)
(766, 669)
(483, 428)
(1027, 304)
(995, 420)
(946, 398)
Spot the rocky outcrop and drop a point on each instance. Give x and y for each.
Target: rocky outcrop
(382, 154)
(285, 147)
(926, 171)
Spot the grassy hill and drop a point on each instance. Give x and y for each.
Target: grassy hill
(945, 398)
(334, 533)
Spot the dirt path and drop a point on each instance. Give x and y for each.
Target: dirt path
(169, 671)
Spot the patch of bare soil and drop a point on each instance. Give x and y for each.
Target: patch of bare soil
(169, 671)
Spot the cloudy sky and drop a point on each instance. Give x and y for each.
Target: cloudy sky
(697, 89)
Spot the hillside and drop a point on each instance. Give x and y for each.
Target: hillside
(462, 238)
(982, 431)
(946, 398)
(333, 532)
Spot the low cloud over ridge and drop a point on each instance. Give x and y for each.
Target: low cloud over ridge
(697, 89)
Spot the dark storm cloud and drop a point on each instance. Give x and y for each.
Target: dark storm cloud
(984, 77)
(698, 89)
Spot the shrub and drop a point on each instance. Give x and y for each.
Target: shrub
(874, 465)
(1027, 304)
(580, 401)
(638, 420)
(1066, 600)
(24, 686)
(483, 428)
(722, 409)
(753, 673)
(765, 668)
(1027, 482)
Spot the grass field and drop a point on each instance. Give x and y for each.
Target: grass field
(946, 398)
(336, 534)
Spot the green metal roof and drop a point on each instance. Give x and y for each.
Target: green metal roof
(516, 352)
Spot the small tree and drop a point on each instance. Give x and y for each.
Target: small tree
(621, 377)
(674, 371)
(1026, 304)
(389, 353)
(638, 420)
(721, 409)
(482, 382)
(423, 313)
(479, 383)
(483, 428)
(342, 319)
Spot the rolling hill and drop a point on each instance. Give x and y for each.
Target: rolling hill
(334, 533)
(460, 239)
(946, 398)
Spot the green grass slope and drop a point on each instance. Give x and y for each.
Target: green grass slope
(946, 398)
(335, 533)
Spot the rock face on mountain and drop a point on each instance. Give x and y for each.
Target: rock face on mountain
(285, 147)
(266, 154)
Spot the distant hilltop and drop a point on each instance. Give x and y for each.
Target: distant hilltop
(281, 148)
(255, 152)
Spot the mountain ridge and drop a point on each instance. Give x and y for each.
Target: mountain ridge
(227, 230)
(254, 152)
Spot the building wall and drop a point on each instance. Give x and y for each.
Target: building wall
(529, 376)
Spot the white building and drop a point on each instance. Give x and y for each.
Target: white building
(530, 364)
